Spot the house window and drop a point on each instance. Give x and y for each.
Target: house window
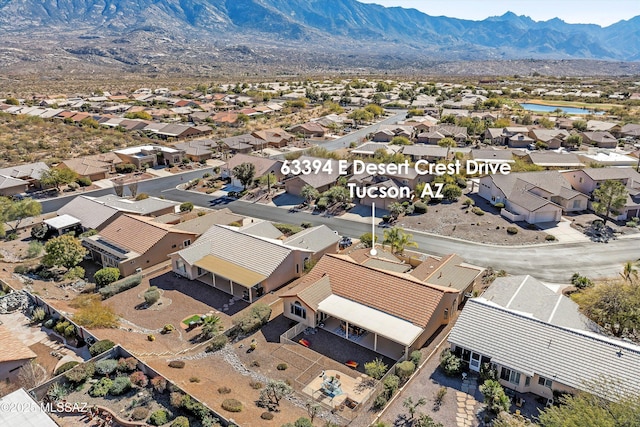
(511, 376)
(527, 381)
(446, 314)
(186, 243)
(298, 310)
(545, 382)
(200, 271)
(180, 266)
(576, 204)
(580, 180)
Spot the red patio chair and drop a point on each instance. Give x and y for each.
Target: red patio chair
(305, 342)
(352, 364)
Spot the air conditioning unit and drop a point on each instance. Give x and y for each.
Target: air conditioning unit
(138, 270)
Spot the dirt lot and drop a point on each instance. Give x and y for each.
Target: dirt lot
(456, 220)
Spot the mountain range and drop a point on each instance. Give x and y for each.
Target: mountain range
(146, 32)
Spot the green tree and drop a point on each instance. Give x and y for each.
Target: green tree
(64, 251)
(451, 192)
(17, 210)
(395, 210)
(186, 207)
(506, 419)
(58, 176)
(375, 369)
(361, 116)
(398, 240)
(580, 125)
(400, 140)
(11, 101)
(425, 420)
(274, 391)
(610, 197)
(367, 240)
(448, 143)
(245, 173)
(573, 141)
(211, 327)
(105, 276)
(374, 109)
(309, 193)
(268, 180)
(494, 396)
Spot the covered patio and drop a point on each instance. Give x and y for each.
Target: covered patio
(368, 327)
(231, 278)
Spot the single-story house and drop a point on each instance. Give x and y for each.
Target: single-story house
(391, 313)
(151, 206)
(492, 156)
(309, 129)
(243, 144)
(133, 243)
(519, 140)
(438, 132)
(320, 181)
(601, 139)
(275, 137)
(319, 240)
(262, 165)
(539, 356)
(91, 213)
(630, 130)
(550, 159)
(589, 179)
(32, 413)
(30, 172)
(63, 224)
(13, 356)
(368, 149)
(533, 197)
(238, 263)
(96, 167)
(11, 186)
(150, 155)
(198, 149)
(426, 152)
(553, 138)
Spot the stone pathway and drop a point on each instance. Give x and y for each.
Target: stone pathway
(466, 403)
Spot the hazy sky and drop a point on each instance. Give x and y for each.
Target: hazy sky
(602, 12)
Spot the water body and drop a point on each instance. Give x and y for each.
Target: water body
(539, 108)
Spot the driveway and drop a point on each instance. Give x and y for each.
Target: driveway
(563, 231)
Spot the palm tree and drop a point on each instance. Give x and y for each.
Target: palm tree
(629, 271)
(398, 240)
(211, 326)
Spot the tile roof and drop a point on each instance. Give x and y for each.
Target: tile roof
(424, 150)
(547, 158)
(136, 233)
(9, 182)
(263, 165)
(314, 239)
(402, 297)
(527, 295)
(601, 174)
(142, 207)
(201, 224)
(28, 171)
(531, 346)
(262, 229)
(447, 271)
(12, 347)
(91, 213)
(249, 252)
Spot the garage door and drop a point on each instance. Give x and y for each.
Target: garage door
(545, 217)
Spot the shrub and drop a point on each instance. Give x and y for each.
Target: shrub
(100, 347)
(420, 208)
(106, 367)
(120, 286)
(83, 181)
(194, 380)
(106, 276)
(127, 365)
(257, 316)
(306, 225)
(186, 207)
(416, 357)
(65, 367)
(375, 369)
(101, 388)
(159, 384)
(167, 329)
(177, 399)
(35, 249)
(37, 315)
(125, 168)
(159, 417)
(49, 324)
(21, 269)
(61, 326)
(282, 367)
(380, 401)
(476, 210)
(256, 385)
(266, 416)
(178, 364)
(151, 295)
(512, 230)
(232, 405)
(151, 337)
(322, 203)
(39, 231)
(405, 369)
(180, 421)
(499, 205)
(142, 196)
(140, 413)
(217, 343)
(224, 390)
(550, 238)
(73, 273)
(288, 229)
(79, 373)
(391, 384)
(120, 386)
(139, 379)
(468, 202)
(450, 363)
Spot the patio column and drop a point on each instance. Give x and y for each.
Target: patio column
(213, 277)
(406, 352)
(250, 296)
(231, 283)
(346, 329)
(375, 342)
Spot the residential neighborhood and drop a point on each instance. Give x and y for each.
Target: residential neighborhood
(212, 267)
